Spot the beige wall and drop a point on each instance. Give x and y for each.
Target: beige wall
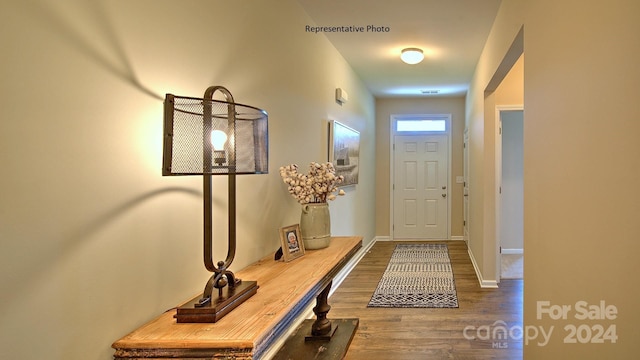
(385, 107)
(511, 90)
(94, 240)
(581, 207)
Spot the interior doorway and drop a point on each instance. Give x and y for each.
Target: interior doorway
(510, 202)
(465, 186)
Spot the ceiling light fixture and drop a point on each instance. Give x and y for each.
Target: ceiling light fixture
(412, 55)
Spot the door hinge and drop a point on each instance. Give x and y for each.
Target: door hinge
(500, 130)
(500, 249)
(464, 222)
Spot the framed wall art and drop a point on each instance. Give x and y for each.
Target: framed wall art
(292, 245)
(344, 151)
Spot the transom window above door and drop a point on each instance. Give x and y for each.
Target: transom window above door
(406, 124)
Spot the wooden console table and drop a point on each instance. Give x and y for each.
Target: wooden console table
(286, 289)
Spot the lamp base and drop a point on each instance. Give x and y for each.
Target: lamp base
(219, 306)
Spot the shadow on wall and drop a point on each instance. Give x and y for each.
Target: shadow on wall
(117, 64)
(26, 276)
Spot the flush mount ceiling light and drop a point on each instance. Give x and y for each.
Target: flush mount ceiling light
(412, 55)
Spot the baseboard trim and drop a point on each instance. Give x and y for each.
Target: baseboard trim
(388, 238)
(512, 251)
(346, 270)
(483, 283)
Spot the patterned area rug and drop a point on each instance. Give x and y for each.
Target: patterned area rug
(418, 276)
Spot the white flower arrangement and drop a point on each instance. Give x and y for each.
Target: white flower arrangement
(318, 186)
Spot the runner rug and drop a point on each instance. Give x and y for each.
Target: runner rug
(418, 276)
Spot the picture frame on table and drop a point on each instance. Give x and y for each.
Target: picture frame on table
(344, 151)
(291, 242)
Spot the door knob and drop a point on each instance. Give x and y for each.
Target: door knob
(444, 195)
(444, 188)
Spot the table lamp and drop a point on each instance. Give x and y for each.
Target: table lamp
(203, 136)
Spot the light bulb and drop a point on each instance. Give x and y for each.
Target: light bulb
(218, 138)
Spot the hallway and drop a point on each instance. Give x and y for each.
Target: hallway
(412, 334)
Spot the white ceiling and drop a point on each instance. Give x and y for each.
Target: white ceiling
(451, 33)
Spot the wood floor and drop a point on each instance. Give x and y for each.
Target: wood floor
(408, 333)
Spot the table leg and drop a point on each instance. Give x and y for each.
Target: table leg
(322, 325)
(322, 338)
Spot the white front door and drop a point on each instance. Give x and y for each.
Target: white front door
(420, 204)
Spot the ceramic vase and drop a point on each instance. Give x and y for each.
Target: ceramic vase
(315, 225)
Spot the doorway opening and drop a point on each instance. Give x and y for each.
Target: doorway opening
(510, 194)
(465, 186)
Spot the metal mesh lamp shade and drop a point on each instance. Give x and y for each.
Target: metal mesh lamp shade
(209, 137)
(205, 136)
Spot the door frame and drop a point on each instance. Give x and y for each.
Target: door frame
(498, 182)
(465, 187)
(394, 118)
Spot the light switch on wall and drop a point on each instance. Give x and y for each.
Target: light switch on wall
(459, 179)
